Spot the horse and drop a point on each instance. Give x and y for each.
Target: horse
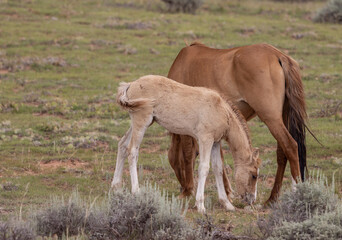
(194, 111)
(260, 80)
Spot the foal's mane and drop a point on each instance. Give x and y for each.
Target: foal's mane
(241, 119)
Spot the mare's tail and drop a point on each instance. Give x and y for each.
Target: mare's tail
(294, 110)
(131, 105)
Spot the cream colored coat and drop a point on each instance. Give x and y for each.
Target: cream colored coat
(194, 111)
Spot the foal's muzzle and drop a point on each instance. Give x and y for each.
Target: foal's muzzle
(249, 198)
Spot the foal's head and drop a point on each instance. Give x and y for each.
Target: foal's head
(246, 176)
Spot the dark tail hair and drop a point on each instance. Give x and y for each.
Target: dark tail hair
(294, 110)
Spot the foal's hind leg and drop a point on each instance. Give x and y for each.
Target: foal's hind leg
(205, 147)
(218, 171)
(140, 122)
(122, 155)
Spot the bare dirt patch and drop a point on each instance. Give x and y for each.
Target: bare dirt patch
(269, 182)
(55, 164)
(151, 149)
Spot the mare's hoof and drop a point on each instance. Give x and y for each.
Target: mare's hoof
(185, 193)
(269, 203)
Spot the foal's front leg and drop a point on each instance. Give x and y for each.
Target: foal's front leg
(218, 171)
(203, 170)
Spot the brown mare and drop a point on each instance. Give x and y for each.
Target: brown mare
(260, 80)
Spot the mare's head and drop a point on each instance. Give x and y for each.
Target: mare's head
(246, 176)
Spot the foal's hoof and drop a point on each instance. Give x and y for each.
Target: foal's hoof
(116, 186)
(230, 197)
(200, 207)
(227, 205)
(201, 210)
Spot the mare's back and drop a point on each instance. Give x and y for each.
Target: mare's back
(202, 66)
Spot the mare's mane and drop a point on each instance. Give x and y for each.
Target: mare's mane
(197, 43)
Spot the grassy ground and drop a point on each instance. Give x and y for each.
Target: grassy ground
(60, 65)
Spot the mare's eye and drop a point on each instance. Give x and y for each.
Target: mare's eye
(254, 177)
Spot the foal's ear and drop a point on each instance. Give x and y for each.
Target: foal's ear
(256, 153)
(256, 157)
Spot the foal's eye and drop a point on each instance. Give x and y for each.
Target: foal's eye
(254, 177)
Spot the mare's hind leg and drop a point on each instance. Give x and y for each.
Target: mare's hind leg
(182, 155)
(218, 171)
(289, 150)
(141, 120)
(122, 155)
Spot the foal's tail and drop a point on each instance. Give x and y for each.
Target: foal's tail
(294, 110)
(131, 105)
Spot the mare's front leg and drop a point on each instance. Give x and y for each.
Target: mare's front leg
(120, 160)
(218, 171)
(205, 147)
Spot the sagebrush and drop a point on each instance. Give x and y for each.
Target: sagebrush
(330, 13)
(295, 0)
(149, 214)
(186, 6)
(304, 208)
(16, 230)
(145, 215)
(325, 226)
(62, 217)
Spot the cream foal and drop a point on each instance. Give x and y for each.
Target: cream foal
(198, 112)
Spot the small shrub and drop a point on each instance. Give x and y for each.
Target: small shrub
(327, 226)
(145, 215)
(299, 208)
(9, 186)
(62, 218)
(186, 6)
(332, 12)
(294, 0)
(16, 230)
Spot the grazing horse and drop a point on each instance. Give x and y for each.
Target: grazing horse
(259, 80)
(194, 111)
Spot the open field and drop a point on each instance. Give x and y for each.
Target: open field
(60, 65)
